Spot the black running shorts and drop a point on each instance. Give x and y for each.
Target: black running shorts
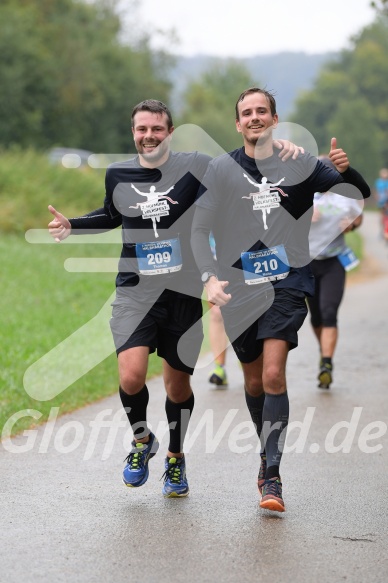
(172, 326)
(282, 320)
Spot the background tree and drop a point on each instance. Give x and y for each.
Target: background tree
(350, 100)
(209, 101)
(68, 78)
(381, 6)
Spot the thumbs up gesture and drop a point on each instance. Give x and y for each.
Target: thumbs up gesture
(338, 156)
(59, 227)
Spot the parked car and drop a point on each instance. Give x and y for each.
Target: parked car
(69, 157)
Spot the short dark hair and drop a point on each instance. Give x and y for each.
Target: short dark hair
(269, 96)
(154, 106)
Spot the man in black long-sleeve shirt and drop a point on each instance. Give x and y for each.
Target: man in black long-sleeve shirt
(259, 210)
(158, 290)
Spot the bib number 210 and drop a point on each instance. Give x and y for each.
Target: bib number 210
(266, 266)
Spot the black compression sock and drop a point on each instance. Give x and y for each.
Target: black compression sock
(136, 409)
(327, 360)
(178, 417)
(275, 421)
(255, 406)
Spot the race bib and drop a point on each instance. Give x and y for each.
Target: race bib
(348, 259)
(158, 257)
(265, 265)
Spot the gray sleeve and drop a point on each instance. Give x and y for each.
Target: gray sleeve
(200, 230)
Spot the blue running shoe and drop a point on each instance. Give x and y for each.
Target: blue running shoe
(136, 471)
(175, 481)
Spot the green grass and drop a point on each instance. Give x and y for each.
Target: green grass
(29, 183)
(42, 304)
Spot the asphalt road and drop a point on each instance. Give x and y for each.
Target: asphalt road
(66, 516)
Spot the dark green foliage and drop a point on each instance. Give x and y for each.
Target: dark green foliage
(67, 79)
(209, 101)
(350, 101)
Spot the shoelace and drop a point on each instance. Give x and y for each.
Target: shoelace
(272, 487)
(173, 473)
(135, 459)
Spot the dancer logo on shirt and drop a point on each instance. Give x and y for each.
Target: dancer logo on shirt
(267, 198)
(156, 205)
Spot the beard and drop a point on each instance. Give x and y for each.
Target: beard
(262, 139)
(160, 150)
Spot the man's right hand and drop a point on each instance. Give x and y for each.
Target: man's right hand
(60, 227)
(215, 292)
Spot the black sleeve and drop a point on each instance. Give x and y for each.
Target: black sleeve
(200, 230)
(351, 176)
(97, 221)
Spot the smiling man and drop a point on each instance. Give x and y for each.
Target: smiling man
(259, 209)
(158, 286)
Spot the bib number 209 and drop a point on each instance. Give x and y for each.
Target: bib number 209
(158, 258)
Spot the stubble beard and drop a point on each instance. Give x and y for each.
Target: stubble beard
(161, 148)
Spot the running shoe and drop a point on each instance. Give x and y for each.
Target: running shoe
(262, 470)
(325, 376)
(218, 376)
(136, 471)
(272, 495)
(175, 481)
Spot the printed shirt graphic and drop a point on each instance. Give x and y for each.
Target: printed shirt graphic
(267, 198)
(157, 204)
(283, 193)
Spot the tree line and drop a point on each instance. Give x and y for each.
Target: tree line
(350, 99)
(69, 79)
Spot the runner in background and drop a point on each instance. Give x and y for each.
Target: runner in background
(217, 337)
(333, 216)
(381, 196)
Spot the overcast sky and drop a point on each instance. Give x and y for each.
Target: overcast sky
(243, 28)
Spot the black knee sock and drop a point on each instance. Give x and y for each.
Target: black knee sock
(255, 407)
(275, 421)
(178, 417)
(327, 360)
(136, 409)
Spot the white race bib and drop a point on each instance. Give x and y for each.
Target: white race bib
(265, 265)
(158, 257)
